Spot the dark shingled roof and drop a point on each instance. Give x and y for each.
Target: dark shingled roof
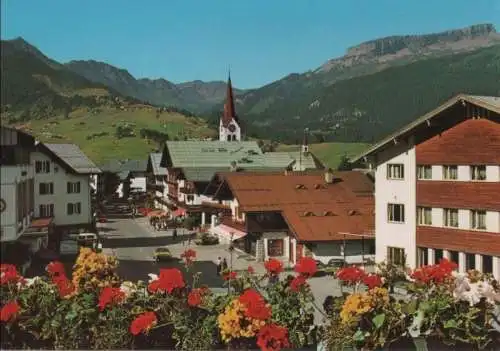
(73, 157)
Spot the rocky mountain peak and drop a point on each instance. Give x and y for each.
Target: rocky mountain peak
(394, 44)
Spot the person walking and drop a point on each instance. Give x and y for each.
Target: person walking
(224, 265)
(174, 234)
(219, 266)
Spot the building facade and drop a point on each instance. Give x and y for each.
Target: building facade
(436, 187)
(17, 184)
(286, 215)
(62, 175)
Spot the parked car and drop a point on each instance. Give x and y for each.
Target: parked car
(162, 254)
(86, 239)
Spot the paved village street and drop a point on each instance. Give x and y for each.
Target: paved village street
(134, 243)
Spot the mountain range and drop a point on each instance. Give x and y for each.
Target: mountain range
(374, 88)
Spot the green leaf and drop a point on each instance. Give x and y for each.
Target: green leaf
(379, 320)
(359, 336)
(411, 307)
(450, 324)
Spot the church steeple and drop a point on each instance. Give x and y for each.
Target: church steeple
(229, 126)
(229, 110)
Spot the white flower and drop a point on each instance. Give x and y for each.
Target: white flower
(128, 288)
(152, 277)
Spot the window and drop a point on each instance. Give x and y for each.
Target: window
(438, 255)
(46, 210)
(275, 247)
(424, 172)
(422, 256)
(424, 216)
(450, 172)
(42, 166)
(396, 213)
(477, 219)
(470, 261)
(46, 188)
(190, 198)
(454, 256)
(75, 208)
(478, 172)
(487, 264)
(73, 187)
(396, 256)
(395, 171)
(450, 217)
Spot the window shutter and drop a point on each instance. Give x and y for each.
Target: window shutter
(70, 208)
(48, 166)
(78, 187)
(40, 188)
(40, 211)
(68, 187)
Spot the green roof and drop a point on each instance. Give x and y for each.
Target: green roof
(210, 153)
(307, 161)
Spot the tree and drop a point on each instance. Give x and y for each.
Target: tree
(344, 164)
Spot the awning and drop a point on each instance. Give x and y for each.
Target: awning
(158, 213)
(227, 231)
(179, 212)
(39, 227)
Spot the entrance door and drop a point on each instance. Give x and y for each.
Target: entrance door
(298, 253)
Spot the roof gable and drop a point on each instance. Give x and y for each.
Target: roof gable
(154, 161)
(474, 140)
(490, 103)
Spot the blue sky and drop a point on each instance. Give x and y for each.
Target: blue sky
(261, 40)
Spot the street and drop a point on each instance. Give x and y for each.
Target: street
(133, 241)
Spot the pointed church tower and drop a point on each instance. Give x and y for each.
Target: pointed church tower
(229, 126)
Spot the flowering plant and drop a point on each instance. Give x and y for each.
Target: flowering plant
(367, 319)
(456, 308)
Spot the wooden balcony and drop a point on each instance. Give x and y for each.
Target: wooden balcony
(470, 241)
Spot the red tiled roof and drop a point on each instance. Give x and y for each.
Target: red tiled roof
(458, 194)
(296, 193)
(474, 141)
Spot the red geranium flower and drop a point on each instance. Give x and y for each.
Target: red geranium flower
(273, 266)
(436, 273)
(256, 306)
(195, 297)
(272, 337)
(55, 268)
(306, 266)
(372, 281)
(250, 270)
(143, 323)
(109, 296)
(8, 274)
(298, 282)
(189, 256)
(351, 275)
(64, 285)
(9, 311)
(231, 275)
(168, 280)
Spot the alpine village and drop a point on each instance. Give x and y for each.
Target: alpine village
(370, 221)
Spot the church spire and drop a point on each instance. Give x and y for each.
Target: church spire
(229, 110)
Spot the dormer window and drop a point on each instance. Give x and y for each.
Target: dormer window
(328, 213)
(300, 186)
(308, 214)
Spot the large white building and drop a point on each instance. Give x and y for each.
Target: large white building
(437, 187)
(17, 184)
(62, 174)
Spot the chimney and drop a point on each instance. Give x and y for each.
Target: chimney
(233, 166)
(329, 176)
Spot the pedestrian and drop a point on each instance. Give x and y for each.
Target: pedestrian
(224, 265)
(174, 234)
(219, 266)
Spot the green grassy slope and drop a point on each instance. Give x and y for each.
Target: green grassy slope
(82, 124)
